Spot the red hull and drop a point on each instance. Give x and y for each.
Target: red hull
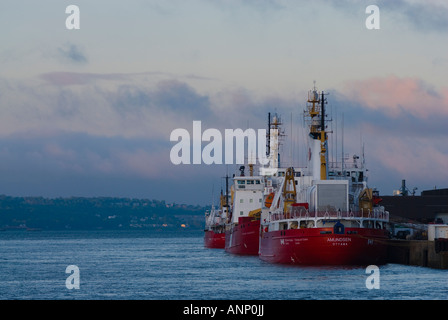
(318, 246)
(214, 240)
(243, 238)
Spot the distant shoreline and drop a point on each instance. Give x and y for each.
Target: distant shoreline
(97, 213)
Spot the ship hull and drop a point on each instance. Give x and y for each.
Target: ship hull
(317, 246)
(214, 240)
(243, 238)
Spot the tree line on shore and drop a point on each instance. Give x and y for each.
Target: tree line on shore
(80, 213)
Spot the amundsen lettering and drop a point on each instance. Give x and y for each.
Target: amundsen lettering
(339, 240)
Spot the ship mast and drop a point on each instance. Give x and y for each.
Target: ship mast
(273, 137)
(315, 113)
(225, 207)
(273, 140)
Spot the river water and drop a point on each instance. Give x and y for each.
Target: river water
(143, 265)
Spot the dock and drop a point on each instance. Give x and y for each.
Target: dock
(423, 253)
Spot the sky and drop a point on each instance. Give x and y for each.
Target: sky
(89, 111)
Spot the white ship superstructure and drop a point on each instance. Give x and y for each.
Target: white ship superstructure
(310, 210)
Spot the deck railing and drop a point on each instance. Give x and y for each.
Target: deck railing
(303, 214)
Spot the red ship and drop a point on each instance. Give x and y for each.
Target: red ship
(243, 228)
(243, 231)
(214, 240)
(334, 245)
(243, 238)
(324, 214)
(214, 236)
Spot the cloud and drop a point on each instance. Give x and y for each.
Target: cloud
(401, 154)
(149, 103)
(261, 6)
(402, 123)
(59, 163)
(178, 96)
(74, 78)
(422, 15)
(62, 163)
(75, 133)
(50, 153)
(144, 105)
(391, 158)
(72, 53)
(167, 96)
(113, 129)
(396, 96)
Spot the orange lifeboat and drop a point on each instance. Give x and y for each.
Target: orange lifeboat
(268, 201)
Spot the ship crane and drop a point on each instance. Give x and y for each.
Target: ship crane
(289, 192)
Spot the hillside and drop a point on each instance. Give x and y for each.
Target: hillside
(79, 213)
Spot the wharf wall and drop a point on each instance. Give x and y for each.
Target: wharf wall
(424, 253)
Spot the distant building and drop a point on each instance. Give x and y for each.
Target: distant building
(435, 192)
(430, 207)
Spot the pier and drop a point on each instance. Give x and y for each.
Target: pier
(423, 221)
(423, 253)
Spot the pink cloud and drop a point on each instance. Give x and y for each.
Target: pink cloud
(421, 160)
(395, 95)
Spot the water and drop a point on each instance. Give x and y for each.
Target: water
(137, 265)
